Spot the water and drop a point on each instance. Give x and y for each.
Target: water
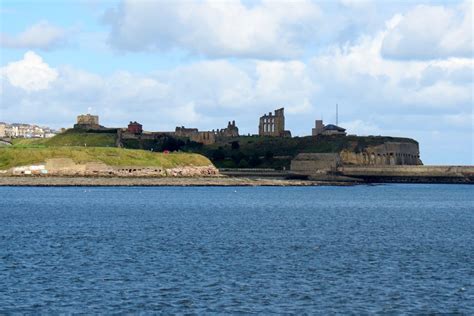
(363, 249)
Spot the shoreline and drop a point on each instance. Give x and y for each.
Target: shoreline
(171, 181)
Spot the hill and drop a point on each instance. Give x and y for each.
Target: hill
(20, 156)
(70, 138)
(235, 152)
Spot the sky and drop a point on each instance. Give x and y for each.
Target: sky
(397, 68)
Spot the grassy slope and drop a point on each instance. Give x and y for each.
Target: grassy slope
(19, 156)
(70, 138)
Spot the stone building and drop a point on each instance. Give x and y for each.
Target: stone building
(181, 131)
(207, 137)
(273, 124)
(22, 130)
(230, 131)
(330, 129)
(135, 128)
(3, 128)
(87, 121)
(195, 135)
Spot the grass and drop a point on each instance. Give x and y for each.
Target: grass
(20, 156)
(69, 138)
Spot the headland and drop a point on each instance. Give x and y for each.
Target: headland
(186, 156)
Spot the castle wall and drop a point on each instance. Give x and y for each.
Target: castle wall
(390, 153)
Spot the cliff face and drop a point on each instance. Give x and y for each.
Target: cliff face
(389, 153)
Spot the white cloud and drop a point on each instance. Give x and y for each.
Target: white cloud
(430, 32)
(211, 84)
(361, 127)
(41, 35)
(214, 28)
(285, 84)
(361, 70)
(356, 4)
(30, 74)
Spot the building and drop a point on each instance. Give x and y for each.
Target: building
(207, 137)
(3, 130)
(87, 121)
(273, 124)
(230, 131)
(185, 132)
(135, 128)
(21, 130)
(330, 129)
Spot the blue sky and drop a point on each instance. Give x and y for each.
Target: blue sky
(400, 68)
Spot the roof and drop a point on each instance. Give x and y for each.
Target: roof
(332, 127)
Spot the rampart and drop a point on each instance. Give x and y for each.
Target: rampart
(414, 174)
(389, 153)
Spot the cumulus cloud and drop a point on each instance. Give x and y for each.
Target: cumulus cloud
(41, 35)
(30, 74)
(285, 83)
(265, 30)
(430, 32)
(357, 4)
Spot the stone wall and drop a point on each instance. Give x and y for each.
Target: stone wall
(390, 153)
(308, 163)
(410, 174)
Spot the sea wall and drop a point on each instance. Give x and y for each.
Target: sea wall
(426, 174)
(312, 163)
(64, 167)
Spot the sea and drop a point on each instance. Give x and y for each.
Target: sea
(387, 249)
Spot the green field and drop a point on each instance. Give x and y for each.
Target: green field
(69, 138)
(20, 156)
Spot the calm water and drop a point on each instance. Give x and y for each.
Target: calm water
(392, 248)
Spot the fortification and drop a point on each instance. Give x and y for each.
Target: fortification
(195, 135)
(273, 124)
(230, 131)
(87, 121)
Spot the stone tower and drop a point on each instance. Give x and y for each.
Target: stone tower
(273, 124)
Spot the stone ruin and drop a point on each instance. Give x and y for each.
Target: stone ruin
(273, 124)
(87, 121)
(207, 137)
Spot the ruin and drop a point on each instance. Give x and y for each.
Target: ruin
(87, 121)
(273, 124)
(230, 131)
(207, 137)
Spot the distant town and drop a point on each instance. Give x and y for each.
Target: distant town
(22, 130)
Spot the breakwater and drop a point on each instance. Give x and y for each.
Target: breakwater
(410, 174)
